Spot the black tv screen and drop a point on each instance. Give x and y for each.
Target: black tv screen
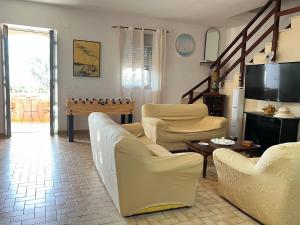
(273, 82)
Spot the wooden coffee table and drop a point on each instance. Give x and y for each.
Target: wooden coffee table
(207, 150)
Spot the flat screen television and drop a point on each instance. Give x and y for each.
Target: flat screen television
(273, 82)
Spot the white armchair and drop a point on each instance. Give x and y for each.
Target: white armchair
(267, 188)
(169, 125)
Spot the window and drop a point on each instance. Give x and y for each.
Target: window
(147, 64)
(147, 59)
(136, 73)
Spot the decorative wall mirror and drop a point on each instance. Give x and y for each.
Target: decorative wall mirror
(212, 38)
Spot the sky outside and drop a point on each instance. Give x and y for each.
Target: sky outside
(24, 48)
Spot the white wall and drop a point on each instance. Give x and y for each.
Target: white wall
(182, 72)
(1, 92)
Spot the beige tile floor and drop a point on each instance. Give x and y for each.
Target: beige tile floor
(51, 181)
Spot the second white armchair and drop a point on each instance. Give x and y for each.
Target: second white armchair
(169, 125)
(266, 188)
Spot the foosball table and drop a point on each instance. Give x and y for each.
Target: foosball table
(85, 106)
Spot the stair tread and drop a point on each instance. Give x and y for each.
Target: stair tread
(259, 53)
(285, 30)
(260, 58)
(295, 17)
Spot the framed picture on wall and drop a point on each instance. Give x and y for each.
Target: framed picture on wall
(86, 58)
(185, 45)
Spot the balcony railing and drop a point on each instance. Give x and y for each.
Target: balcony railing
(30, 108)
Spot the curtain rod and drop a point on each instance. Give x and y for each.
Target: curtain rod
(137, 28)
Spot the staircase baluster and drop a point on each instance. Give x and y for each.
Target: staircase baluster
(209, 83)
(191, 97)
(218, 65)
(243, 56)
(276, 28)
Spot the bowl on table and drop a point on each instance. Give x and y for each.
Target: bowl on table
(222, 141)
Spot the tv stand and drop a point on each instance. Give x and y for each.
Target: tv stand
(268, 131)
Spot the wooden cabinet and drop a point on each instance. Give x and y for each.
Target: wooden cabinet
(215, 103)
(268, 131)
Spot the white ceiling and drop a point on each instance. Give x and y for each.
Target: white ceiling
(208, 12)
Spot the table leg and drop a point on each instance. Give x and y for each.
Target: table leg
(71, 128)
(129, 118)
(204, 166)
(123, 119)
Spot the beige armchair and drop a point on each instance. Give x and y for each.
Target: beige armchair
(266, 188)
(169, 125)
(141, 177)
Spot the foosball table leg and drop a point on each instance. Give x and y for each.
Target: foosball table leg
(130, 118)
(71, 128)
(123, 119)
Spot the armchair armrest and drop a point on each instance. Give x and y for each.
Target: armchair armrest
(134, 128)
(151, 126)
(152, 121)
(216, 121)
(233, 160)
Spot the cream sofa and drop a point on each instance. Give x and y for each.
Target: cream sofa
(141, 177)
(169, 125)
(267, 188)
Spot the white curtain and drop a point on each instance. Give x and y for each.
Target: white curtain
(132, 73)
(131, 50)
(158, 68)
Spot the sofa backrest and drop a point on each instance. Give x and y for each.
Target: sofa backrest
(282, 155)
(279, 168)
(107, 140)
(282, 162)
(175, 111)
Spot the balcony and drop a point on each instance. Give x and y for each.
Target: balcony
(30, 113)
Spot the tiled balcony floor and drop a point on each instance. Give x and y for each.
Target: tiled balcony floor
(48, 180)
(27, 127)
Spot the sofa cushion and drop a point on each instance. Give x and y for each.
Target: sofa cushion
(158, 150)
(253, 160)
(208, 123)
(145, 140)
(166, 136)
(134, 128)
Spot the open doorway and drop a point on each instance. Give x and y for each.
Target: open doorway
(29, 62)
(29, 80)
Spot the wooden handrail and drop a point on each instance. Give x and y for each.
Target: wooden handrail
(200, 95)
(259, 25)
(265, 34)
(289, 11)
(219, 63)
(262, 37)
(261, 11)
(263, 49)
(195, 87)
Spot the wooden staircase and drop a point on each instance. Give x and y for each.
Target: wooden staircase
(271, 10)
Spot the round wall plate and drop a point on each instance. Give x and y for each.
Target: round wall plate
(185, 44)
